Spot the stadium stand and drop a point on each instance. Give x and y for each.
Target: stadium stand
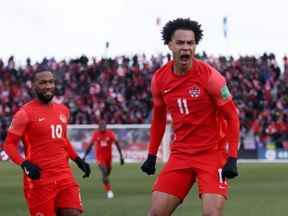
(118, 89)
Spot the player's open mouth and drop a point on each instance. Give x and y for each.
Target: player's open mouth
(184, 58)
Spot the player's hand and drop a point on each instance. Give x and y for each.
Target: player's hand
(85, 167)
(31, 170)
(230, 168)
(149, 166)
(122, 161)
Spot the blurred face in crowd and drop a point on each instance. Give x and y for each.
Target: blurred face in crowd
(102, 126)
(44, 86)
(183, 46)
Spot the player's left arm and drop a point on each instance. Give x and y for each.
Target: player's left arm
(218, 89)
(85, 167)
(119, 149)
(69, 149)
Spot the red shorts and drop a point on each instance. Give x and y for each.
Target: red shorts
(104, 161)
(44, 200)
(179, 174)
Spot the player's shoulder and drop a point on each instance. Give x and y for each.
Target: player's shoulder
(205, 70)
(28, 106)
(162, 71)
(110, 132)
(61, 107)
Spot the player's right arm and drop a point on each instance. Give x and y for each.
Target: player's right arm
(15, 132)
(157, 129)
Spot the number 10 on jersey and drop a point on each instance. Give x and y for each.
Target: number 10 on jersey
(56, 131)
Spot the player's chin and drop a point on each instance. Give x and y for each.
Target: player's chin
(48, 97)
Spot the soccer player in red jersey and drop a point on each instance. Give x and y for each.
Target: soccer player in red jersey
(205, 122)
(103, 139)
(49, 186)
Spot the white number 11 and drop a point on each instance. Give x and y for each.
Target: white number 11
(183, 106)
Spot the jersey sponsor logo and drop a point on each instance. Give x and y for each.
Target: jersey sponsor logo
(63, 118)
(225, 93)
(194, 91)
(39, 214)
(41, 119)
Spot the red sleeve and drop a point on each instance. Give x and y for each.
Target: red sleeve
(230, 113)
(159, 116)
(11, 148)
(15, 132)
(217, 88)
(19, 123)
(219, 91)
(71, 152)
(113, 136)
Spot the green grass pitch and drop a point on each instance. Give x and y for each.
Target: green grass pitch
(261, 190)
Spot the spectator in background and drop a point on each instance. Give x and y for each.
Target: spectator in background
(121, 86)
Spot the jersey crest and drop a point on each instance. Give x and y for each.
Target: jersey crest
(194, 91)
(63, 118)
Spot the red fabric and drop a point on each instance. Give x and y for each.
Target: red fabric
(45, 199)
(104, 161)
(159, 117)
(193, 101)
(103, 143)
(11, 148)
(178, 175)
(157, 129)
(230, 113)
(43, 129)
(71, 152)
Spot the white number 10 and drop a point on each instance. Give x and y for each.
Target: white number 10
(183, 105)
(56, 131)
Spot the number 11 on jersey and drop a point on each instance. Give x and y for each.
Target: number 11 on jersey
(183, 106)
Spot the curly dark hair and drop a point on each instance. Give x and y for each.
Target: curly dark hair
(180, 23)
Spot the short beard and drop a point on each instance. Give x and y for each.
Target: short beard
(44, 99)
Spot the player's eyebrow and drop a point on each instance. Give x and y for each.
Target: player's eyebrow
(185, 41)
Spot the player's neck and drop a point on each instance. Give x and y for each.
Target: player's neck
(179, 70)
(43, 102)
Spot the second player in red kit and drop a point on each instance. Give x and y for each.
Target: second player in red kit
(49, 185)
(103, 139)
(205, 124)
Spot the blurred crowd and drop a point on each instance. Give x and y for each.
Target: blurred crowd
(260, 90)
(118, 90)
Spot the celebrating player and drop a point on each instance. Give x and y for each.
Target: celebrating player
(103, 140)
(205, 122)
(49, 186)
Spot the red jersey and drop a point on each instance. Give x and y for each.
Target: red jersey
(43, 130)
(103, 143)
(192, 101)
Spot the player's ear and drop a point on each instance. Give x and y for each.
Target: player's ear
(170, 46)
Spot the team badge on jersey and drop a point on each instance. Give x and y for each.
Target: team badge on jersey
(194, 91)
(63, 118)
(225, 93)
